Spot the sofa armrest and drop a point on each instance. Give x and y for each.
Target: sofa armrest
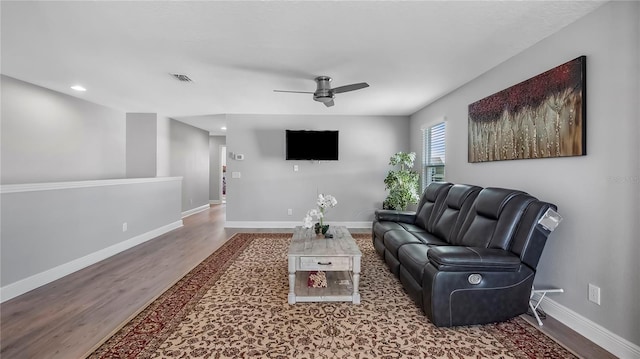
(464, 259)
(395, 216)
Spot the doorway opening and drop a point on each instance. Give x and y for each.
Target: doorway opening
(223, 174)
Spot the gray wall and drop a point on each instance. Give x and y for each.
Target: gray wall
(598, 194)
(45, 229)
(163, 157)
(48, 136)
(214, 166)
(51, 137)
(189, 158)
(142, 145)
(268, 185)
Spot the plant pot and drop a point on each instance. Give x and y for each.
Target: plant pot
(321, 229)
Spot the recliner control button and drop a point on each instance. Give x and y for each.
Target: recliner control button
(475, 278)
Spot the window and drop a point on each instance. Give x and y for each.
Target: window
(433, 156)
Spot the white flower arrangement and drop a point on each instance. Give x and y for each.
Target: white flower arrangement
(324, 202)
(309, 218)
(327, 201)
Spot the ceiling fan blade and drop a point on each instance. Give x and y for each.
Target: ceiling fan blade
(292, 91)
(329, 103)
(351, 87)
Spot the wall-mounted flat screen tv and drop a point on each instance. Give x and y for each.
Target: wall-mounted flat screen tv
(311, 145)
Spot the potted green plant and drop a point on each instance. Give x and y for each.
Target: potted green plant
(402, 183)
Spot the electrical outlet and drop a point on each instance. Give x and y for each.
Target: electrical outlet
(124, 227)
(594, 294)
(290, 211)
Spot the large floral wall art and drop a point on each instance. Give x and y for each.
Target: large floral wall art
(542, 117)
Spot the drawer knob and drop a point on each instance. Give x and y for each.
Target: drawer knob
(324, 264)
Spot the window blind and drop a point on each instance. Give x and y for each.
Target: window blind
(434, 155)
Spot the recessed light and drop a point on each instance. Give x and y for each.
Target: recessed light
(78, 88)
(223, 128)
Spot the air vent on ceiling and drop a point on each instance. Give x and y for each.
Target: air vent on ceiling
(183, 78)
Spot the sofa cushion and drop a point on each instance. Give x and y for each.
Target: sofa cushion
(380, 228)
(431, 204)
(491, 201)
(458, 195)
(457, 204)
(429, 239)
(493, 219)
(413, 258)
(413, 228)
(431, 193)
(393, 240)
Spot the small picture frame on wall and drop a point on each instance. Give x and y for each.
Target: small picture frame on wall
(542, 117)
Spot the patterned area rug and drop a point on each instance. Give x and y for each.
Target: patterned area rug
(234, 305)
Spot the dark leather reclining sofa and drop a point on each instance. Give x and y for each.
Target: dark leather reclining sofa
(468, 255)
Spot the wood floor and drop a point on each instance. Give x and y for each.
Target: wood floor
(70, 317)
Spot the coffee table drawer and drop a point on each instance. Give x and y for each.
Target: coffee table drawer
(325, 263)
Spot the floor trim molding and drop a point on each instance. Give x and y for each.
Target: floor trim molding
(37, 280)
(195, 210)
(596, 333)
(293, 224)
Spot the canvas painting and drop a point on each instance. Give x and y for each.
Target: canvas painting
(541, 117)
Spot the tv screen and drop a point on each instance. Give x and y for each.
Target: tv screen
(312, 145)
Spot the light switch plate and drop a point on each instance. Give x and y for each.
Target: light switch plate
(594, 294)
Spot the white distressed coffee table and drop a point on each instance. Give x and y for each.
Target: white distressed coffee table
(339, 257)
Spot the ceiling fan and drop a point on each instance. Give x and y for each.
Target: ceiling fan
(324, 93)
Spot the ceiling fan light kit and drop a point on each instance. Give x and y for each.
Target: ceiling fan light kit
(325, 94)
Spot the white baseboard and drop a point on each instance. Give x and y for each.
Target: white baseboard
(273, 224)
(596, 333)
(22, 286)
(195, 210)
(215, 201)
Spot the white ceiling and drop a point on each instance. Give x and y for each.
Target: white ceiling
(238, 52)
